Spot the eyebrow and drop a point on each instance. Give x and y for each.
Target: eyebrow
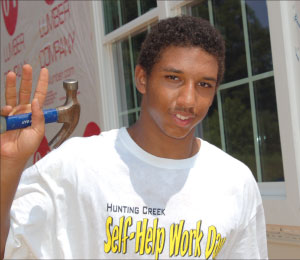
(169, 69)
(210, 79)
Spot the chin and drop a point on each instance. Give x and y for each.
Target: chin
(180, 134)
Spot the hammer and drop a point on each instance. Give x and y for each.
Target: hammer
(68, 114)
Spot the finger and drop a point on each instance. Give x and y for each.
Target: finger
(42, 86)
(26, 85)
(10, 89)
(38, 121)
(20, 109)
(6, 110)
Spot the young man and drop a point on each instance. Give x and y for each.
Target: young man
(150, 191)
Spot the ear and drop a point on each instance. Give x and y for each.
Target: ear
(140, 79)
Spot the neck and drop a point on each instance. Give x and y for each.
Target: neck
(157, 143)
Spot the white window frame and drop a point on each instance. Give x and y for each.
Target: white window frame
(109, 102)
(284, 209)
(281, 200)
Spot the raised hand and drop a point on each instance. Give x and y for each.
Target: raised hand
(19, 145)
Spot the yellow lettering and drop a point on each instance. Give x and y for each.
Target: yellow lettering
(140, 236)
(215, 252)
(199, 237)
(219, 246)
(175, 236)
(211, 240)
(161, 235)
(115, 238)
(128, 223)
(155, 222)
(184, 243)
(191, 239)
(149, 236)
(107, 245)
(120, 233)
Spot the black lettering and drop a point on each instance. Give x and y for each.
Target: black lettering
(108, 207)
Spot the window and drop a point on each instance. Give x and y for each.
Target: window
(120, 12)
(243, 120)
(264, 85)
(126, 52)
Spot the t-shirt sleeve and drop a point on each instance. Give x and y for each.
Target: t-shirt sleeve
(31, 223)
(249, 242)
(45, 204)
(36, 213)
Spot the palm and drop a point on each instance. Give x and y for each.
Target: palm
(16, 142)
(21, 144)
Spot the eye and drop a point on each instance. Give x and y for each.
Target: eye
(205, 85)
(172, 77)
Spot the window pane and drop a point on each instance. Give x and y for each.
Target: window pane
(131, 118)
(137, 41)
(268, 130)
(236, 109)
(119, 12)
(228, 20)
(127, 74)
(128, 119)
(110, 10)
(129, 10)
(147, 5)
(125, 54)
(259, 36)
(211, 126)
(238, 125)
(200, 10)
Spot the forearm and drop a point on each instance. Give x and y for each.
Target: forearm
(11, 172)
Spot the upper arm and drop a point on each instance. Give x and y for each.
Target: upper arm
(249, 242)
(31, 217)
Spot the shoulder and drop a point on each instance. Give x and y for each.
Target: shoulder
(220, 160)
(79, 150)
(233, 178)
(105, 138)
(229, 171)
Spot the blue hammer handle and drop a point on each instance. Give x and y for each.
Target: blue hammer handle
(24, 120)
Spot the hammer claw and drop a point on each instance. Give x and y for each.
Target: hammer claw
(62, 135)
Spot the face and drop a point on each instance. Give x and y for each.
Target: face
(179, 90)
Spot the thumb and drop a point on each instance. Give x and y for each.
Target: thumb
(38, 121)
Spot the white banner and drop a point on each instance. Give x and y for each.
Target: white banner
(58, 35)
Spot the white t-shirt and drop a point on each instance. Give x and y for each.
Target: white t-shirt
(105, 197)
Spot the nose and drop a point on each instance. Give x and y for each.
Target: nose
(187, 96)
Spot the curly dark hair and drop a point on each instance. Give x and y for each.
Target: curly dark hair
(183, 31)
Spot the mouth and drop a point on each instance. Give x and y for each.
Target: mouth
(181, 117)
(183, 120)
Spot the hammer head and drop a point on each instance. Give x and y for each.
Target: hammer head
(68, 114)
(70, 111)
